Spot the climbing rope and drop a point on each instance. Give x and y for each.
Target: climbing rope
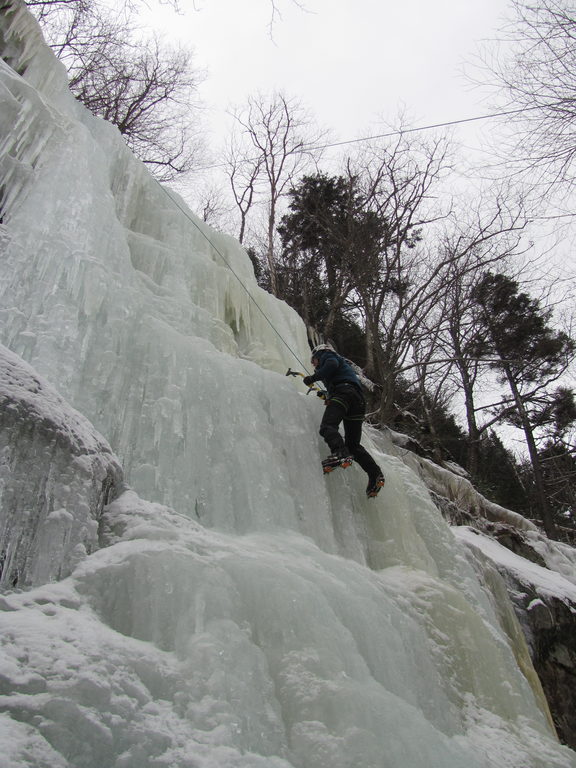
(225, 260)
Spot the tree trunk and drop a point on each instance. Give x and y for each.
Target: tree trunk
(386, 408)
(473, 431)
(541, 497)
(270, 249)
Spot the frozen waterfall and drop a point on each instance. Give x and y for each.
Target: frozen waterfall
(231, 608)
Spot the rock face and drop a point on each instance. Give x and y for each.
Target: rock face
(549, 624)
(56, 475)
(550, 628)
(539, 576)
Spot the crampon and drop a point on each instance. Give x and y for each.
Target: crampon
(374, 486)
(334, 461)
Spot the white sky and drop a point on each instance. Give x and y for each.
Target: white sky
(349, 61)
(353, 63)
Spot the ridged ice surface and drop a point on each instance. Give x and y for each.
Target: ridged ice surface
(240, 609)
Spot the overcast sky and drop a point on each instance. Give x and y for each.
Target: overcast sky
(350, 61)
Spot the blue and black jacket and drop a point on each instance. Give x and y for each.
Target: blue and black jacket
(334, 370)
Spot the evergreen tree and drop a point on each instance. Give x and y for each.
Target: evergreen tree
(499, 475)
(528, 355)
(260, 271)
(322, 237)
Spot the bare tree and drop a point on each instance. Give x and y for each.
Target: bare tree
(243, 173)
(147, 96)
(43, 8)
(534, 67)
(144, 87)
(276, 14)
(476, 240)
(274, 140)
(432, 379)
(397, 280)
(209, 200)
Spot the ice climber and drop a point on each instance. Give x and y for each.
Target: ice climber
(344, 403)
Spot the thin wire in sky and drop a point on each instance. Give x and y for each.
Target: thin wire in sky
(401, 131)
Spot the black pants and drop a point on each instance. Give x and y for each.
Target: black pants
(346, 404)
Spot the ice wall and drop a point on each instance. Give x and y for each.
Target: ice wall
(127, 304)
(56, 476)
(272, 617)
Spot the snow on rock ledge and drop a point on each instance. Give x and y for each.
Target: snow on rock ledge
(56, 475)
(545, 604)
(450, 484)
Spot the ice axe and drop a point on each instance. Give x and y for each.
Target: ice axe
(319, 392)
